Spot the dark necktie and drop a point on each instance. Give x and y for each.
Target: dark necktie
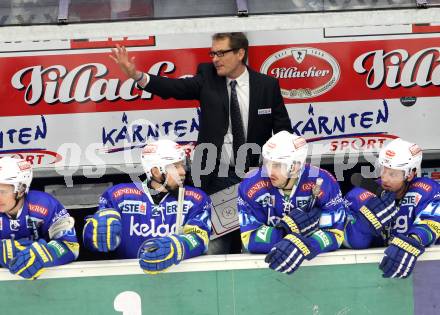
(238, 137)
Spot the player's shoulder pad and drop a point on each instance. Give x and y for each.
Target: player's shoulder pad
(424, 185)
(255, 186)
(195, 194)
(41, 204)
(359, 195)
(125, 189)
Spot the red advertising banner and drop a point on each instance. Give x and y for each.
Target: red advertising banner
(360, 70)
(88, 82)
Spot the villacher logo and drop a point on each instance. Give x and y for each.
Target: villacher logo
(303, 72)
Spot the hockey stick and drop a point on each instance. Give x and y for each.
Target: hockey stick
(179, 214)
(315, 193)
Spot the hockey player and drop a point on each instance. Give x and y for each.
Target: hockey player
(141, 221)
(404, 215)
(35, 230)
(289, 209)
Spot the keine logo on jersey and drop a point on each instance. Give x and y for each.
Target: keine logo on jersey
(156, 210)
(38, 209)
(133, 207)
(257, 187)
(193, 194)
(145, 230)
(366, 195)
(302, 201)
(171, 207)
(266, 200)
(14, 225)
(411, 199)
(424, 186)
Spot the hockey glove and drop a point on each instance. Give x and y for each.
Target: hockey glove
(401, 256)
(102, 231)
(30, 262)
(378, 211)
(299, 221)
(9, 249)
(158, 254)
(289, 253)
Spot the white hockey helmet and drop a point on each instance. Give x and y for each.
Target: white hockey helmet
(401, 155)
(285, 148)
(160, 154)
(16, 172)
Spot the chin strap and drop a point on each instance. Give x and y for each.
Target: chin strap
(163, 182)
(287, 183)
(168, 188)
(17, 200)
(295, 181)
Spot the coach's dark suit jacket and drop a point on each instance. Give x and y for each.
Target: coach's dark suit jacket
(210, 89)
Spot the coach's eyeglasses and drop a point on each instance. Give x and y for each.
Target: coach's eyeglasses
(220, 53)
